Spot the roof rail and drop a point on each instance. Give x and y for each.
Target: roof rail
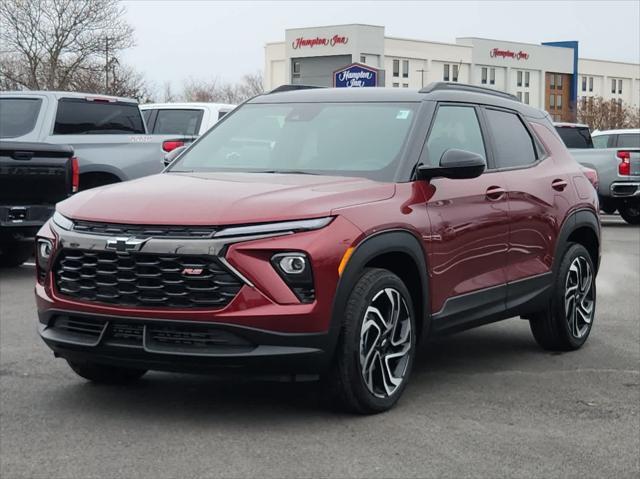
(437, 86)
(282, 88)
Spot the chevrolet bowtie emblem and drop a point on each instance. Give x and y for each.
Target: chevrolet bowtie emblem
(125, 245)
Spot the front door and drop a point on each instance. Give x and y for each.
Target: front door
(469, 223)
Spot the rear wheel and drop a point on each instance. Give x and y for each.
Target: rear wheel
(630, 212)
(102, 373)
(566, 323)
(377, 344)
(14, 254)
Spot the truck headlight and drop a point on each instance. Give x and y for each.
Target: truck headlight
(295, 269)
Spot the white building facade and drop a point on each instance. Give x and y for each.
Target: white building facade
(548, 76)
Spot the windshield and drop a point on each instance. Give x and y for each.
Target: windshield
(342, 139)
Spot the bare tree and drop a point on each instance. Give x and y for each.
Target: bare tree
(601, 114)
(218, 92)
(49, 44)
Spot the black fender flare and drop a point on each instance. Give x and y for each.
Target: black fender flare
(577, 219)
(387, 241)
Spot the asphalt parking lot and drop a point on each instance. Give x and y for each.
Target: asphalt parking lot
(485, 403)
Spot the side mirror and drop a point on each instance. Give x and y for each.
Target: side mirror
(455, 164)
(173, 154)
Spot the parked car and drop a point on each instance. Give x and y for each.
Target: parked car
(191, 119)
(617, 162)
(107, 133)
(33, 178)
(327, 231)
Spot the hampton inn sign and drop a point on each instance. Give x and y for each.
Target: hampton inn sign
(302, 42)
(498, 53)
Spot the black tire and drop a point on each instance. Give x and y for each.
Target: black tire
(102, 373)
(14, 254)
(554, 328)
(608, 209)
(345, 380)
(630, 212)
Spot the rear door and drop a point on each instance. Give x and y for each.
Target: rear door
(538, 189)
(469, 221)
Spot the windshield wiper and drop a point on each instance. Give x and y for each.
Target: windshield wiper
(286, 172)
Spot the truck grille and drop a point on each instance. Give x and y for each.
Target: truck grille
(144, 279)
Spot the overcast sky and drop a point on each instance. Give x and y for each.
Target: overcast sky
(224, 40)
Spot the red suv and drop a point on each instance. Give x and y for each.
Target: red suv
(327, 231)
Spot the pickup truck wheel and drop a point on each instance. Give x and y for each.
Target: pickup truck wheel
(102, 373)
(377, 345)
(14, 254)
(630, 212)
(566, 322)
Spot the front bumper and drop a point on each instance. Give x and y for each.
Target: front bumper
(180, 346)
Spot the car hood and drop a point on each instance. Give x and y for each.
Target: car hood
(221, 198)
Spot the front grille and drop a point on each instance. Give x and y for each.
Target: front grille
(145, 231)
(79, 326)
(144, 279)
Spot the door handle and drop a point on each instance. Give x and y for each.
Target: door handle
(559, 185)
(495, 193)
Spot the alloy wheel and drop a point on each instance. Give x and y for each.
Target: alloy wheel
(385, 343)
(579, 301)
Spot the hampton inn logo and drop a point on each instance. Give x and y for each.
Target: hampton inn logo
(355, 75)
(302, 42)
(497, 53)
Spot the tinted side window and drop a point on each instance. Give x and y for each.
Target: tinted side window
(513, 144)
(455, 127)
(575, 137)
(146, 114)
(629, 140)
(18, 116)
(178, 122)
(79, 116)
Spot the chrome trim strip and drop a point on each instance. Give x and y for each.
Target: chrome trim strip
(228, 265)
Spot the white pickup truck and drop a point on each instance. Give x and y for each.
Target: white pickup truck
(615, 155)
(107, 133)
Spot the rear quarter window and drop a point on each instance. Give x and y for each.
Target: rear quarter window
(77, 116)
(18, 116)
(629, 140)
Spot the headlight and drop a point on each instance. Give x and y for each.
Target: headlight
(295, 269)
(62, 221)
(280, 227)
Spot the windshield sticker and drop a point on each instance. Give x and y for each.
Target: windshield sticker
(403, 114)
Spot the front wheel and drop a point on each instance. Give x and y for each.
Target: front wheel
(102, 373)
(566, 322)
(630, 212)
(377, 344)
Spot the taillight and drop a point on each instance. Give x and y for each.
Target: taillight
(171, 145)
(75, 175)
(624, 167)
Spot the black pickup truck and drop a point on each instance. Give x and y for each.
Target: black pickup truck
(33, 178)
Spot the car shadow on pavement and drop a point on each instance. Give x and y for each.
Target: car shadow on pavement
(200, 398)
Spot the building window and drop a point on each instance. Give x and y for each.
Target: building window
(454, 73)
(405, 85)
(492, 76)
(519, 95)
(613, 86)
(405, 68)
(519, 78)
(396, 85)
(296, 67)
(559, 82)
(584, 83)
(363, 59)
(619, 87)
(526, 79)
(445, 75)
(552, 101)
(526, 97)
(559, 101)
(396, 68)
(484, 76)
(590, 83)
(552, 82)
